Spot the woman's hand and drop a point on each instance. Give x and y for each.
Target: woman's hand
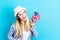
(31, 23)
(18, 39)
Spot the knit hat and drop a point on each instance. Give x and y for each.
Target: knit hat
(17, 9)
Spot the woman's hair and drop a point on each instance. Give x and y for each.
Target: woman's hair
(18, 25)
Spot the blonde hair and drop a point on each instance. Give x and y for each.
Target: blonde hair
(18, 26)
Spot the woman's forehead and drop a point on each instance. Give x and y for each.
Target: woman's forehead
(21, 11)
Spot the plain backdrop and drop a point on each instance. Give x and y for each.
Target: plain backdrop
(48, 27)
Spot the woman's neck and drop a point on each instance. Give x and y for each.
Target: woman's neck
(23, 23)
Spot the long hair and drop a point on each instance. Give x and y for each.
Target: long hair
(18, 26)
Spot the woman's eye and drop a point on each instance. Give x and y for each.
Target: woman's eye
(24, 12)
(20, 14)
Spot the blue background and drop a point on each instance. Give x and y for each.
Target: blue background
(48, 27)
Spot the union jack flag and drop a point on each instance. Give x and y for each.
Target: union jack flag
(35, 17)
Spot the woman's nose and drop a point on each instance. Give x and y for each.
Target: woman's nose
(23, 15)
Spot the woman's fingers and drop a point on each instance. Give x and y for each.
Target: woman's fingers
(31, 23)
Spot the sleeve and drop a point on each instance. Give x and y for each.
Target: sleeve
(10, 37)
(33, 31)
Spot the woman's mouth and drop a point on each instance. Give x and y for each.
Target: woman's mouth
(24, 17)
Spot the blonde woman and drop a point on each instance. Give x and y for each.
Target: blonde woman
(22, 29)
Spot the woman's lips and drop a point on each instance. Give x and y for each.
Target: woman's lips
(24, 17)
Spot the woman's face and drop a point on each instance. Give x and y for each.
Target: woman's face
(22, 15)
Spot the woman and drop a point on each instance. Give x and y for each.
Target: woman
(22, 29)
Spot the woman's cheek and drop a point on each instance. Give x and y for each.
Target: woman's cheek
(21, 17)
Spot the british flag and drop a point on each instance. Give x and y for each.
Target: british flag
(35, 17)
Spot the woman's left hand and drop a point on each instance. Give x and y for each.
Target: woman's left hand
(18, 39)
(31, 23)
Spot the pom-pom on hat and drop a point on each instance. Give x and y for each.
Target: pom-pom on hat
(17, 9)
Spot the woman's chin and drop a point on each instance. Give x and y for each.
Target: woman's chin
(24, 19)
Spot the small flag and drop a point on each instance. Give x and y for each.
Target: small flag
(35, 17)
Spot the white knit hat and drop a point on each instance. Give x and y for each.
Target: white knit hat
(17, 9)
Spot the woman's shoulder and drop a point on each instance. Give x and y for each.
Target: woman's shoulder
(13, 25)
